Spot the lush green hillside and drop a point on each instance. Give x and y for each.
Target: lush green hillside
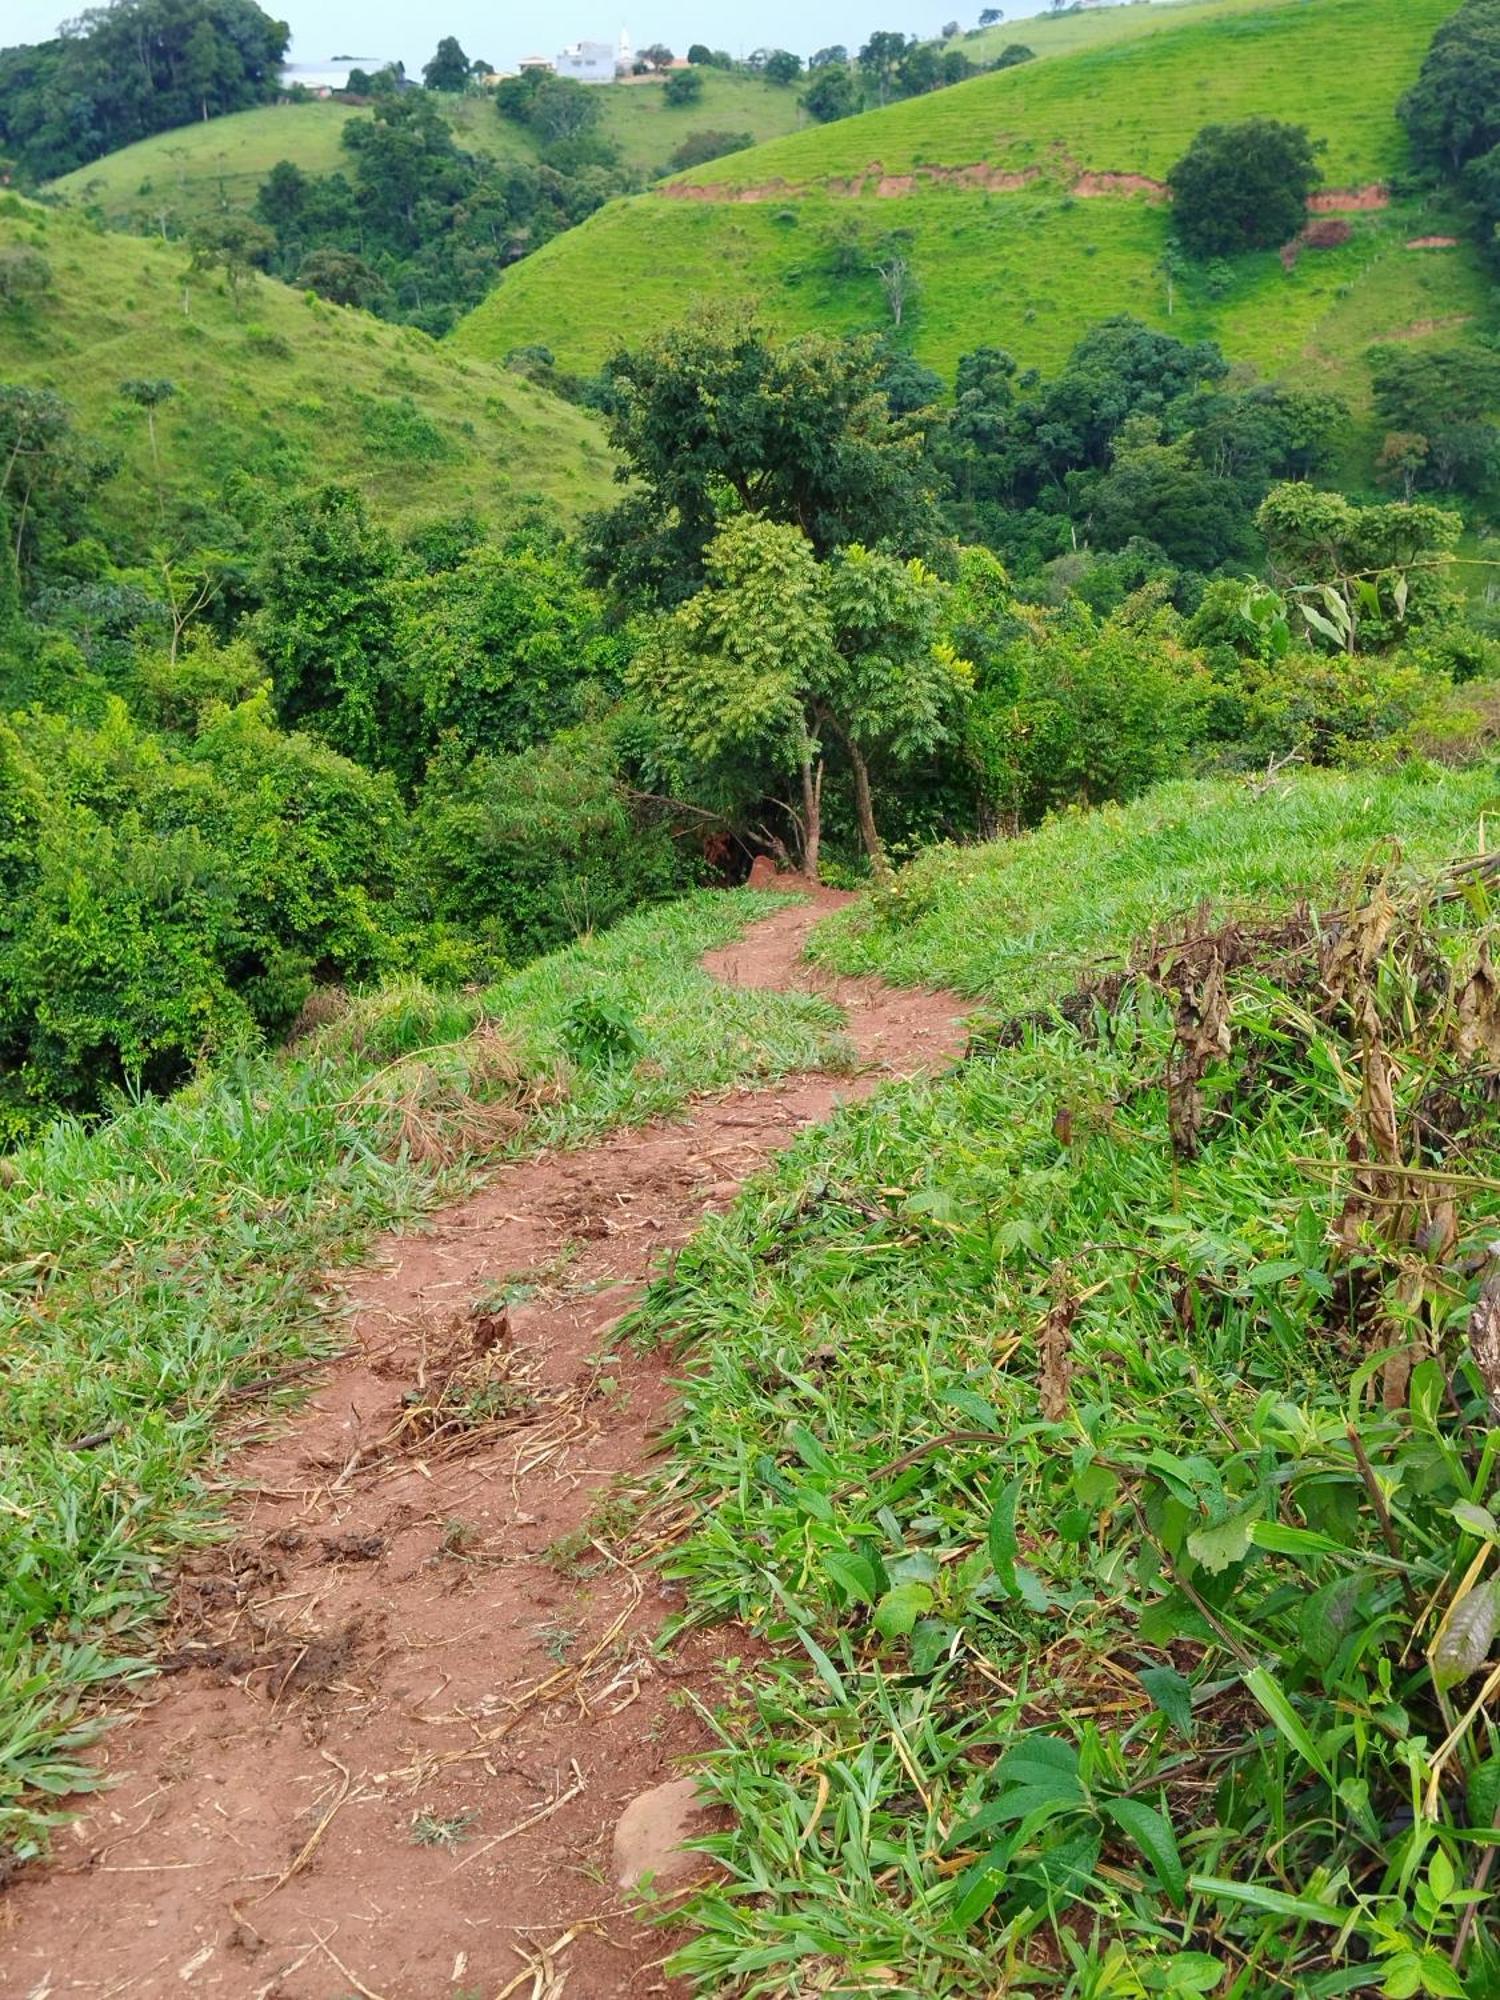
(160, 184)
(288, 390)
(1028, 1420)
(1030, 262)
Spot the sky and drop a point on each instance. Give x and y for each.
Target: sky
(397, 30)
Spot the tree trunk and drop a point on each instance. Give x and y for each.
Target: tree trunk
(812, 811)
(880, 868)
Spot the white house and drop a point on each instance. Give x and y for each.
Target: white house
(596, 62)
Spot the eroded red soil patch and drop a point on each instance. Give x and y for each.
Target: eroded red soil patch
(407, 1703)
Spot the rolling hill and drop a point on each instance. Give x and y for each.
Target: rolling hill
(1027, 205)
(289, 390)
(159, 185)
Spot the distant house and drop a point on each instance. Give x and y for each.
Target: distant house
(596, 62)
(536, 63)
(325, 79)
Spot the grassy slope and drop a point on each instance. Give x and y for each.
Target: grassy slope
(1030, 269)
(221, 164)
(148, 1270)
(290, 392)
(996, 923)
(880, 1293)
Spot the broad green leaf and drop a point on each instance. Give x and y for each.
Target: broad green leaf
(855, 1575)
(811, 1452)
(1153, 1835)
(1268, 1691)
(900, 1608)
(978, 1887)
(1186, 1972)
(1001, 1535)
(1274, 1901)
(1227, 1542)
(1465, 1645)
(1171, 1693)
(1036, 1759)
(1284, 1541)
(1477, 1521)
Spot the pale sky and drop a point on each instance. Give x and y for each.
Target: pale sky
(394, 29)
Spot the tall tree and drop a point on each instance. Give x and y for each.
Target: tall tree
(449, 69)
(712, 418)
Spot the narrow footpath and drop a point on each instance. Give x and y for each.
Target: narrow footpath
(409, 1701)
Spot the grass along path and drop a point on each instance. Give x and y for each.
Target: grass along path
(161, 1277)
(1032, 1418)
(423, 1662)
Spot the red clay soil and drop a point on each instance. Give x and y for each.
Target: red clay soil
(408, 1701)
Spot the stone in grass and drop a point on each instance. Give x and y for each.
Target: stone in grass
(650, 1832)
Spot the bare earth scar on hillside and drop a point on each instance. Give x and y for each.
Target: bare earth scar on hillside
(407, 1703)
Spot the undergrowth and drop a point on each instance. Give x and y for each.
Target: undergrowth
(1104, 1440)
(164, 1276)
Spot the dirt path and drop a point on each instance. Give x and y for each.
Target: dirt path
(412, 1697)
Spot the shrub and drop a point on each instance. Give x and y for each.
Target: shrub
(538, 848)
(1243, 187)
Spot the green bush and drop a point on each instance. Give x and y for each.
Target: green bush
(541, 847)
(167, 903)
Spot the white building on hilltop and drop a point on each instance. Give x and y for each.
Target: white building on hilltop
(596, 62)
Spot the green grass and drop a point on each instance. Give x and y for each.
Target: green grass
(1032, 269)
(163, 1274)
(1018, 923)
(289, 392)
(1023, 1451)
(1336, 66)
(1065, 34)
(159, 186)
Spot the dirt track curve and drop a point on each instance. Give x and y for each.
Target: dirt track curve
(410, 1699)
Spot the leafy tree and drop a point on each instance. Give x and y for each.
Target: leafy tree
(1448, 397)
(657, 57)
(1403, 460)
(1013, 55)
(990, 16)
(1165, 494)
(25, 277)
(1452, 111)
(342, 277)
(449, 69)
(48, 477)
(781, 67)
(683, 86)
(1360, 578)
(712, 417)
(879, 58)
(124, 71)
(326, 622)
(1243, 187)
(835, 56)
(234, 244)
(504, 648)
(708, 145)
(149, 394)
(779, 651)
(531, 851)
(918, 70)
(701, 53)
(1080, 711)
(832, 94)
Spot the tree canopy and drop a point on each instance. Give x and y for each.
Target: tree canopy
(122, 72)
(1243, 187)
(711, 418)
